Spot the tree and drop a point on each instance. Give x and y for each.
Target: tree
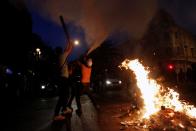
(16, 30)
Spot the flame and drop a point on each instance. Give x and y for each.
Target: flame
(181, 125)
(154, 95)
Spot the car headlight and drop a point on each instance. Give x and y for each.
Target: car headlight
(120, 82)
(43, 87)
(108, 82)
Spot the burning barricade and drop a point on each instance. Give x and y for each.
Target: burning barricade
(162, 109)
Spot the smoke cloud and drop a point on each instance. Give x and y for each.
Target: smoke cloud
(99, 18)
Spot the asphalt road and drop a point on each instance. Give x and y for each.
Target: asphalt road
(37, 115)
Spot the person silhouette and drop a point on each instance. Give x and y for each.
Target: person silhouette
(63, 83)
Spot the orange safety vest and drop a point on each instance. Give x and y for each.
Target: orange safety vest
(86, 73)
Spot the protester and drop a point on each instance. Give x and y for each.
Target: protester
(62, 80)
(86, 67)
(74, 78)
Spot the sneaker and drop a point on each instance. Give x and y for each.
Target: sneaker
(59, 118)
(68, 110)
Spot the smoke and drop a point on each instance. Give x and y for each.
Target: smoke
(99, 18)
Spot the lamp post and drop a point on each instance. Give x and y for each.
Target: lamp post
(37, 53)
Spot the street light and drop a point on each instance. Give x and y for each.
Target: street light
(76, 42)
(38, 51)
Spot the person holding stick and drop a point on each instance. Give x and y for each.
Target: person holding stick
(62, 79)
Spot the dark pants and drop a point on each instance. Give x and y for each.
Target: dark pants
(86, 90)
(80, 89)
(75, 92)
(63, 95)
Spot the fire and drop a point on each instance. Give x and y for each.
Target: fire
(154, 95)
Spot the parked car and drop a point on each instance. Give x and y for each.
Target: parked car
(113, 82)
(47, 89)
(107, 83)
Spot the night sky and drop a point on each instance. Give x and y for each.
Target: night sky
(183, 12)
(91, 21)
(54, 36)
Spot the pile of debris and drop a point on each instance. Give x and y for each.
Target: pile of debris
(165, 119)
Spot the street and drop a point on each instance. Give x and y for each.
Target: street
(37, 115)
(137, 56)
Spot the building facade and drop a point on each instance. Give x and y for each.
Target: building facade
(165, 43)
(183, 49)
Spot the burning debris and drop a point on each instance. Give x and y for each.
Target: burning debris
(166, 119)
(162, 109)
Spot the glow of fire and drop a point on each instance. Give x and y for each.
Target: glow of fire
(154, 95)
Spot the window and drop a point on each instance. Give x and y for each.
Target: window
(176, 35)
(185, 51)
(166, 36)
(178, 50)
(192, 52)
(169, 51)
